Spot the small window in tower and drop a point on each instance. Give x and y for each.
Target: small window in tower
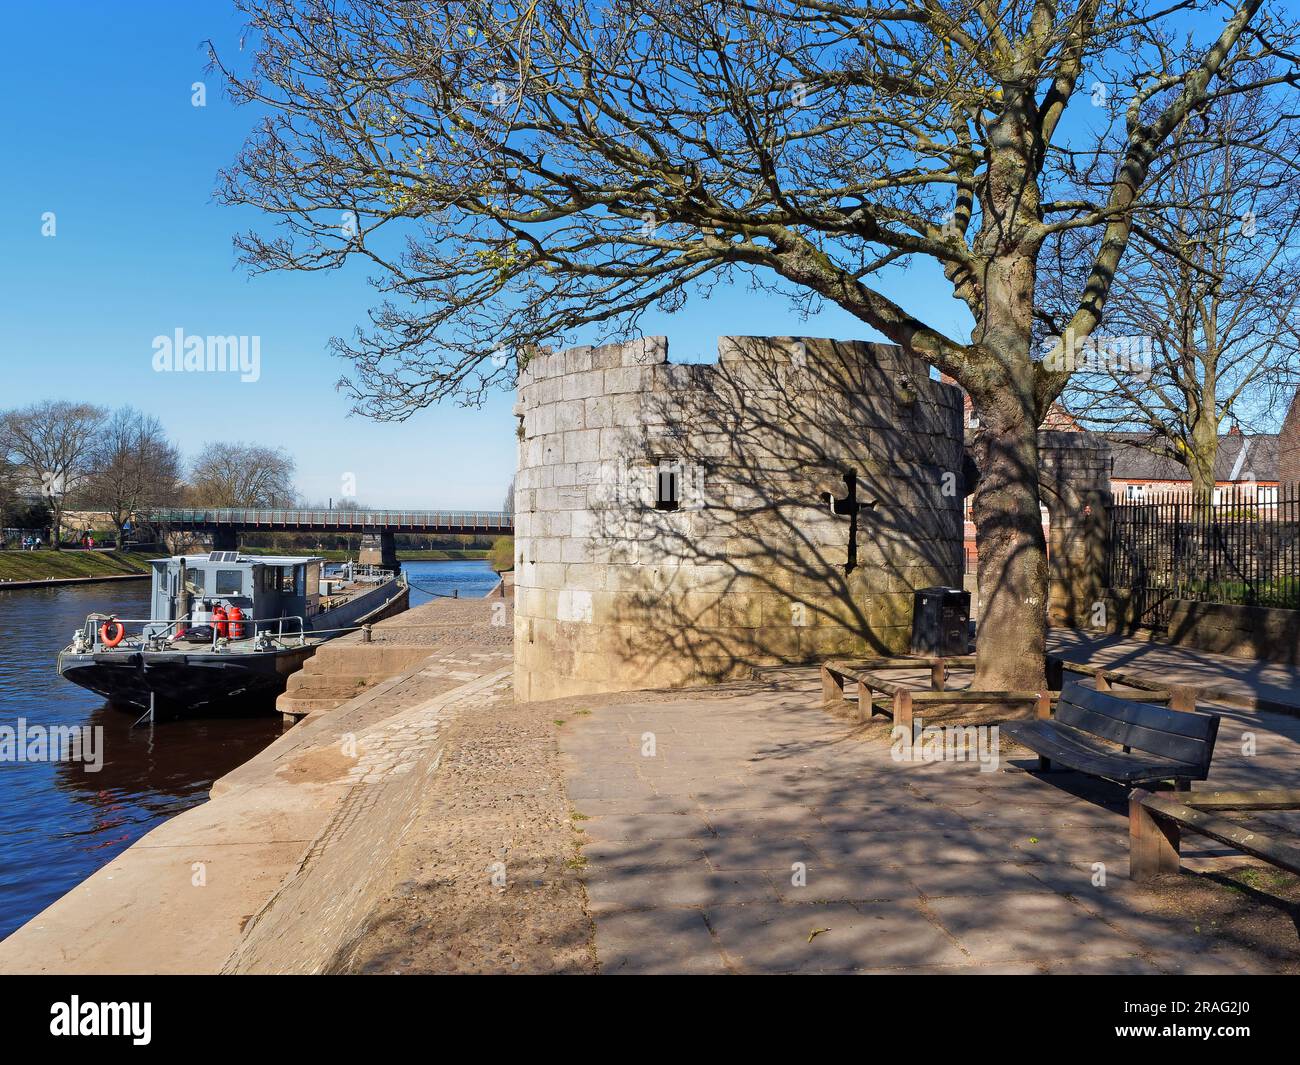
(668, 488)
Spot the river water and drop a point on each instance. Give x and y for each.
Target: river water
(59, 821)
(472, 578)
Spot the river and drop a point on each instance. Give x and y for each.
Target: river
(59, 821)
(472, 578)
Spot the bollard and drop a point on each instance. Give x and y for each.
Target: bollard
(365, 633)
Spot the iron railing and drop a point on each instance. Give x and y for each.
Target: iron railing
(1240, 547)
(153, 629)
(379, 520)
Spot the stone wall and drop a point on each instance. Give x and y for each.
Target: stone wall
(1074, 472)
(1267, 634)
(764, 561)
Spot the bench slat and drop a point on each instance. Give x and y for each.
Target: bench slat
(1073, 748)
(1149, 741)
(1193, 725)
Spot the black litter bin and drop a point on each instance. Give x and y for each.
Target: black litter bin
(941, 622)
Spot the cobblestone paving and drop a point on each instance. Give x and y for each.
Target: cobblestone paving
(758, 833)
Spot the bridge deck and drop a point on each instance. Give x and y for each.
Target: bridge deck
(406, 521)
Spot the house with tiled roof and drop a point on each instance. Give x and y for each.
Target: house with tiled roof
(1142, 467)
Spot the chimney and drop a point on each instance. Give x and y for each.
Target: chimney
(1288, 444)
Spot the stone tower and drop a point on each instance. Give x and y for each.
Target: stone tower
(682, 524)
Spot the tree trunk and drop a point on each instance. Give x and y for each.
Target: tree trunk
(56, 523)
(1200, 458)
(1012, 628)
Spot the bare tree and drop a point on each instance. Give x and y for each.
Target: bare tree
(242, 475)
(1203, 327)
(508, 505)
(557, 168)
(52, 445)
(135, 467)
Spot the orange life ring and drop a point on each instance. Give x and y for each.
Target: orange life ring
(118, 630)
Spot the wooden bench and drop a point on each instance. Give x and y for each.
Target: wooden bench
(1155, 825)
(1148, 690)
(862, 672)
(901, 701)
(1156, 743)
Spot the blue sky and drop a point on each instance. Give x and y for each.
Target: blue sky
(99, 129)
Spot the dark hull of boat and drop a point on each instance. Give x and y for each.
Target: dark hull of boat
(186, 683)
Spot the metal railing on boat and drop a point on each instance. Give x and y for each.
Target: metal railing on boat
(166, 630)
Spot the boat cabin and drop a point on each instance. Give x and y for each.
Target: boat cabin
(263, 587)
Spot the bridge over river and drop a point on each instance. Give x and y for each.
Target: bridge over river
(226, 523)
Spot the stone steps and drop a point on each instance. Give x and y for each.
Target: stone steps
(307, 683)
(368, 659)
(341, 670)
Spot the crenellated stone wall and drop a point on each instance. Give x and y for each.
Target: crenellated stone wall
(764, 560)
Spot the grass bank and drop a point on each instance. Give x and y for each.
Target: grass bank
(48, 565)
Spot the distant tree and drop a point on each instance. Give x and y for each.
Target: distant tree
(136, 468)
(509, 505)
(1204, 326)
(8, 492)
(52, 444)
(29, 514)
(502, 556)
(242, 475)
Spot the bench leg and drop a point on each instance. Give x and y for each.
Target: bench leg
(938, 675)
(865, 707)
(903, 711)
(1152, 841)
(1044, 764)
(832, 688)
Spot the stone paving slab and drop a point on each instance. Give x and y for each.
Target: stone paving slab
(764, 835)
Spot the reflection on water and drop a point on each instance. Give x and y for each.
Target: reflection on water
(60, 822)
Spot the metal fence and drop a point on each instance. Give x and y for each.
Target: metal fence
(1241, 547)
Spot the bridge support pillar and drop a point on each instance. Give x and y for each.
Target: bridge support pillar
(388, 552)
(225, 539)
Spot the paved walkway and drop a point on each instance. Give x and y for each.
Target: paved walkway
(758, 833)
(1221, 678)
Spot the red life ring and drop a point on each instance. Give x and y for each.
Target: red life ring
(118, 630)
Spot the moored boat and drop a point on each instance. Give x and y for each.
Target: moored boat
(226, 630)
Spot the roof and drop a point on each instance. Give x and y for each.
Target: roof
(1241, 457)
(260, 560)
